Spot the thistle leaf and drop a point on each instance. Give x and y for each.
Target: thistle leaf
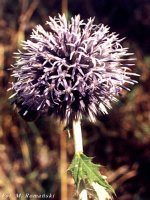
(83, 169)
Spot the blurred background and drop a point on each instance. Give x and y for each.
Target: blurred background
(34, 156)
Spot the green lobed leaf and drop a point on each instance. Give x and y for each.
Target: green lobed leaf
(83, 169)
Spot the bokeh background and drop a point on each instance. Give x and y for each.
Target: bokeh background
(34, 156)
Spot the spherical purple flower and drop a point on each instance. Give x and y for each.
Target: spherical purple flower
(74, 69)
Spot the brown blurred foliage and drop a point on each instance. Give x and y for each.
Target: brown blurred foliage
(30, 152)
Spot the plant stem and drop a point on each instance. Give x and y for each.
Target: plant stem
(77, 133)
(63, 165)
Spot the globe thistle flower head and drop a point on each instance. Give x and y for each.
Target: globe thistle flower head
(74, 69)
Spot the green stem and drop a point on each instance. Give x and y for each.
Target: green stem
(77, 133)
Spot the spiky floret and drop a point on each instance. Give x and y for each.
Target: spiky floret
(75, 69)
